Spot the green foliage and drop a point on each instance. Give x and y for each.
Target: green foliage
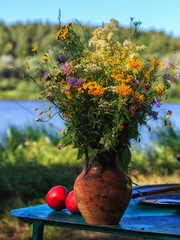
(174, 92)
(31, 164)
(126, 159)
(16, 137)
(160, 157)
(17, 40)
(169, 139)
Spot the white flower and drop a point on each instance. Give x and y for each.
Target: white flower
(92, 67)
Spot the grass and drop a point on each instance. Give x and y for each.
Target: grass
(31, 164)
(24, 91)
(159, 158)
(12, 88)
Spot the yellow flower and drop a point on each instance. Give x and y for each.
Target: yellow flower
(65, 115)
(148, 72)
(93, 88)
(168, 114)
(160, 89)
(63, 32)
(121, 77)
(68, 93)
(62, 132)
(113, 61)
(139, 97)
(45, 58)
(93, 80)
(156, 62)
(124, 90)
(135, 64)
(27, 65)
(34, 49)
(49, 115)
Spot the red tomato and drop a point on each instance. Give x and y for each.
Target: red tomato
(56, 197)
(71, 204)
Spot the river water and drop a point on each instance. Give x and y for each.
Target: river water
(20, 113)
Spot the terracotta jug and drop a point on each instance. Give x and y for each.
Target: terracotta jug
(103, 192)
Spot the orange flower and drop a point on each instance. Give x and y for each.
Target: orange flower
(34, 49)
(93, 88)
(135, 64)
(96, 92)
(139, 97)
(63, 32)
(156, 62)
(124, 90)
(119, 76)
(68, 93)
(160, 90)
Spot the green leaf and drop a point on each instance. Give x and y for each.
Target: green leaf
(66, 140)
(80, 153)
(126, 159)
(92, 154)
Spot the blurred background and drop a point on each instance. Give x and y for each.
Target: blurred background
(30, 163)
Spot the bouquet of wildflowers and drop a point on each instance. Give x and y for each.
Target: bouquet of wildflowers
(103, 89)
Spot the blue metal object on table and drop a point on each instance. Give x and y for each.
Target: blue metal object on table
(139, 220)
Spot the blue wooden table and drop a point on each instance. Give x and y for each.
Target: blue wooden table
(139, 220)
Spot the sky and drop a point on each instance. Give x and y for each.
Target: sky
(160, 15)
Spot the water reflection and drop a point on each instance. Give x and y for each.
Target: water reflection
(22, 113)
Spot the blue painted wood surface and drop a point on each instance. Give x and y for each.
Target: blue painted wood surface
(138, 220)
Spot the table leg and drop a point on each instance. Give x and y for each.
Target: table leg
(37, 231)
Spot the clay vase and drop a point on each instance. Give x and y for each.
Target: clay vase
(102, 192)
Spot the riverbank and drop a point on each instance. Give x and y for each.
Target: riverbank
(23, 90)
(34, 95)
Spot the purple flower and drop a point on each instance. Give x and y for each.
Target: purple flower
(157, 102)
(72, 81)
(155, 115)
(75, 81)
(61, 59)
(145, 90)
(167, 77)
(178, 75)
(79, 82)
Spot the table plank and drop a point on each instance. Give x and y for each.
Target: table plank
(138, 220)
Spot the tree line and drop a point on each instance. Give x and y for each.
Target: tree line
(18, 39)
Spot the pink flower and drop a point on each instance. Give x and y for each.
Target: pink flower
(67, 69)
(133, 112)
(59, 147)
